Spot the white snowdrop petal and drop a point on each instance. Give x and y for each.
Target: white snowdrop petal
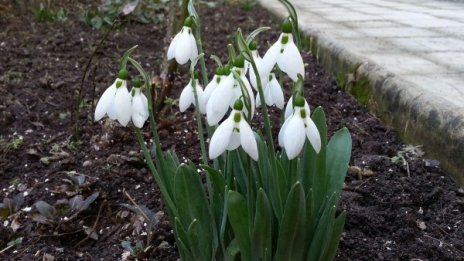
(258, 101)
(106, 100)
(307, 109)
(186, 97)
(172, 47)
(219, 102)
(112, 111)
(139, 111)
(313, 134)
(221, 138)
(193, 47)
(271, 56)
(268, 96)
(251, 94)
(282, 132)
(276, 93)
(145, 104)
(289, 108)
(290, 61)
(212, 85)
(201, 98)
(123, 106)
(183, 47)
(248, 140)
(294, 136)
(234, 142)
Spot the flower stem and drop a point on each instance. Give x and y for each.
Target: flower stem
(204, 73)
(199, 123)
(267, 122)
(147, 81)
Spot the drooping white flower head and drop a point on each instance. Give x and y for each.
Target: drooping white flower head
(251, 72)
(285, 53)
(115, 101)
(139, 106)
(227, 92)
(273, 94)
(297, 127)
(233, 133)
(187, 97)
(214, 83)
(184, 47)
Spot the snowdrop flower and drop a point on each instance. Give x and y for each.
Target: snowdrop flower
(187, 97)
(116, 101)
(285, 53)
(251, 72)
(183, 47)
(233, 133)
(227, 92)
(214, 83)
(273, 94)
(297, 127)
(139, 105)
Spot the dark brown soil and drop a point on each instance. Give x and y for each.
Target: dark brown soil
(390, 215)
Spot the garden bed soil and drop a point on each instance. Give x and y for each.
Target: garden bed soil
(394, 211)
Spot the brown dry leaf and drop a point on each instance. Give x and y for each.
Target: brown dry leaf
(48, 257)
(15, 225)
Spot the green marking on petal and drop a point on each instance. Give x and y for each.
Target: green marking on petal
(284, 39)
(237, 117)
(118, 84)
(303, 114)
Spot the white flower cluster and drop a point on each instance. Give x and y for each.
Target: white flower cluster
(229, 89)
(225, 92)
(119, 104)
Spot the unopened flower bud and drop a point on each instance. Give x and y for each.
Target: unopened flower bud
(253, 46)
(123, 74)
(136, 83)
(188, 21)
(220, 70)
(239, 61)
(238, 105)
(226, 70)
(287, 26)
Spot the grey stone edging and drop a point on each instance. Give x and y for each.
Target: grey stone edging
(422, 119)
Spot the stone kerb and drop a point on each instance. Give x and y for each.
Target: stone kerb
(419, 118)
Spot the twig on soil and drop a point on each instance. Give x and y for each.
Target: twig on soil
(62, 234)
(76, 104)
(94, 224)
(93, 88)
(442, 242)
(6, 248)
(136, 205)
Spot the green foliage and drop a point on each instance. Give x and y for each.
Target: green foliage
(260, 210)
(46, 14)
(141, 11)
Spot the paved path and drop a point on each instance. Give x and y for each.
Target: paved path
(419, 42)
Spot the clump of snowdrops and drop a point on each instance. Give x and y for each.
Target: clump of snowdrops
(259, 203)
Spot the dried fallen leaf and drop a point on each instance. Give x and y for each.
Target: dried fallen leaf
(15, 225)
(48, 257)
